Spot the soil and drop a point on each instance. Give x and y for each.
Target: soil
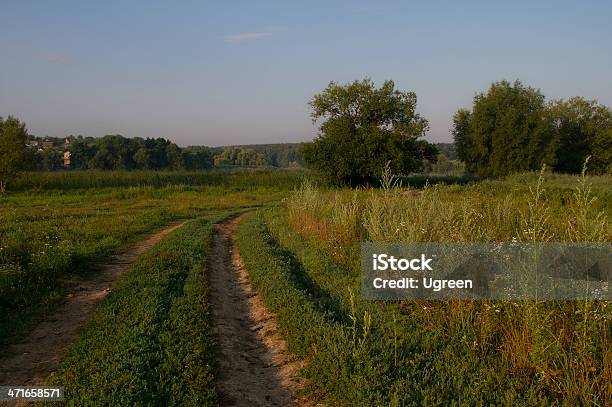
(30, 361)
(254, 366)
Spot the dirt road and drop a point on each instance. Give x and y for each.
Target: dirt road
(254, 367)
(30, 361)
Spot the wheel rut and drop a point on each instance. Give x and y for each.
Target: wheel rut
(31, 360)
(254, 366)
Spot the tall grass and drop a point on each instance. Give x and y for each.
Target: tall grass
(564, 348)
(66, 180)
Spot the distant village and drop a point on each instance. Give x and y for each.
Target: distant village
(40, 144)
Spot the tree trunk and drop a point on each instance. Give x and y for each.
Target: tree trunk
(2, 186)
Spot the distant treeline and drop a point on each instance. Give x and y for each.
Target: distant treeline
(448, 150)
(275, 155)
(116, 152)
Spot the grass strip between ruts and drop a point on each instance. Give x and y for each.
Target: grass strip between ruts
(150, 342)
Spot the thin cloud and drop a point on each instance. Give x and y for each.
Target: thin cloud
(56, 57)
(244, 37)
(46, 55)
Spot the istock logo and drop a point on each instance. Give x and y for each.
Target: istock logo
(382, 262)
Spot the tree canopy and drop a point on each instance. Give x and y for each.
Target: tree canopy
(511, 129)
(581, 128)
(363, 128)
(13, 151)
(240, 156)
(116, 152)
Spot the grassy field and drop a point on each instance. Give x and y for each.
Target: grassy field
(305, 260)
(48, 235)
(150, 341)
(231, 179)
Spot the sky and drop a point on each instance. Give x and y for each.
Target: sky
(242, 72)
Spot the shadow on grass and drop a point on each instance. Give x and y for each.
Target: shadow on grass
(322, 300)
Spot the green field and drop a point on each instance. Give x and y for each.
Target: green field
(150, 341)
(61, 223)
(428, 352)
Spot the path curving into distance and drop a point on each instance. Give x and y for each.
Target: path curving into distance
(30, 361)
(253, 364)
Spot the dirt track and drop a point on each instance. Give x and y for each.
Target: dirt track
(30, 361)
(254, 367)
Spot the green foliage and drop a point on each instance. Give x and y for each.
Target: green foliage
(115, 152)
(53, 234)
(49, 159)
(511, 129)
(362, 352)
(277, 154)
(506, 132)
(198, 157)
(150, 342)
(582, 128)
(239, 156)
(462, 135)
(363, 129)
(82, 151)
(232, 179)
(444, 166)
(437, 352)
(447, 149)
(13, 152)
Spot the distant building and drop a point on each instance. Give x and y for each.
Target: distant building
(33, 143)
(47, 143)
(67, 159)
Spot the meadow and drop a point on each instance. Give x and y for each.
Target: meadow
(60, 224)
(305, 260)
(237, 179)
(150, 342)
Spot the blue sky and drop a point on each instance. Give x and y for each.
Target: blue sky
(232, 72)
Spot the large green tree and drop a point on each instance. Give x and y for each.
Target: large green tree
(508, 130)
(363, 128)
(582, 128)
(13, 150)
